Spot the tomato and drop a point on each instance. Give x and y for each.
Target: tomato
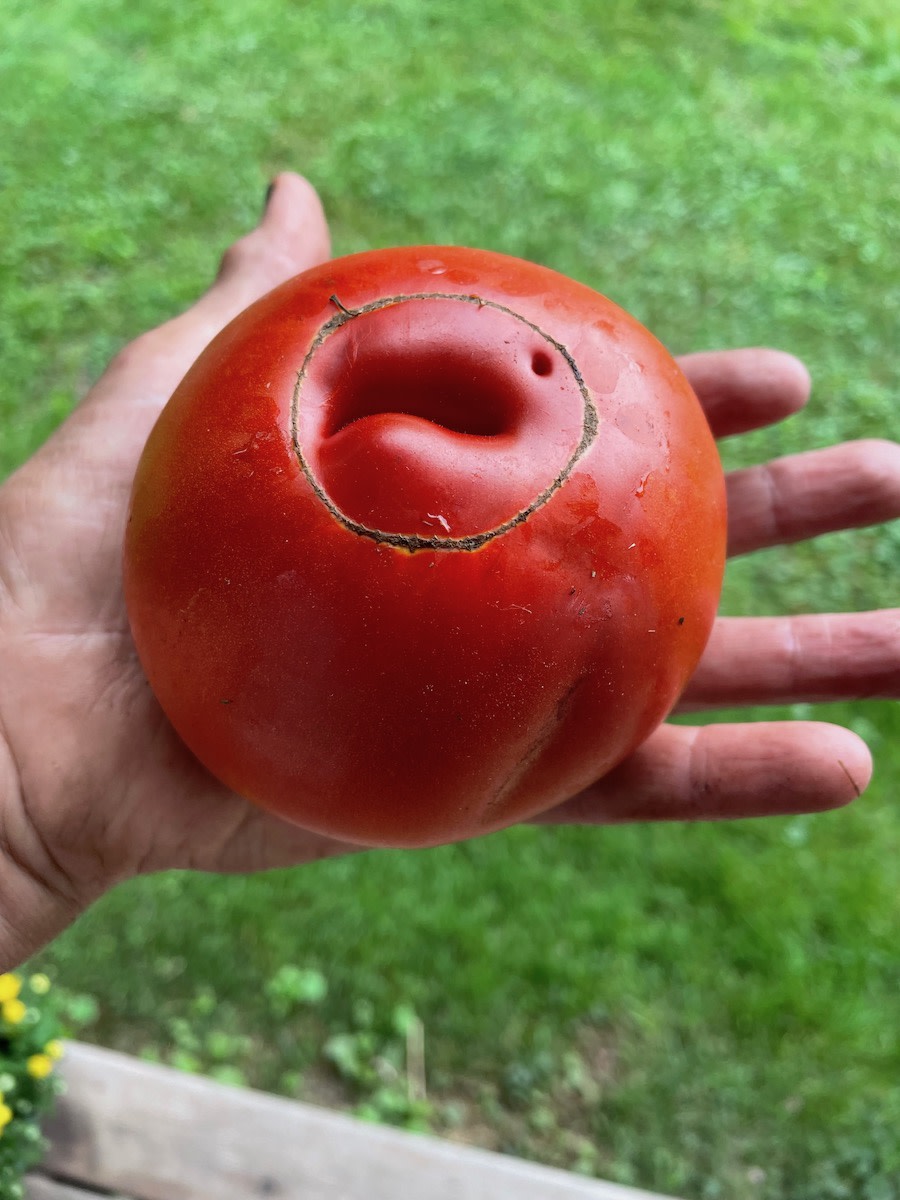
(426, 541)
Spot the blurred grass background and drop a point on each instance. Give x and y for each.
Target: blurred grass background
(707, 1010)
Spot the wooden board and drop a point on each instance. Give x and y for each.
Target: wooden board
(39, 1187)
(151, 1133)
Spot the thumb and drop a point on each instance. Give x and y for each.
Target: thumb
(291, 237)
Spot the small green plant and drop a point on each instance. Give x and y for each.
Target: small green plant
(30, 1031)
(385, 1066)
(294, 987)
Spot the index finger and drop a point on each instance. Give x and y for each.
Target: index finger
(746, 389)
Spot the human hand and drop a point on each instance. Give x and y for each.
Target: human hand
(95, 786)
(768, 768)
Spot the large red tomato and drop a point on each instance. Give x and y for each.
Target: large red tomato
(426, 541)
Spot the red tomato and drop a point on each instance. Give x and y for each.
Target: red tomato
(425, 542)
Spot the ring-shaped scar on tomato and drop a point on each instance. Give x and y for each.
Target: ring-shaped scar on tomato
(426, 541)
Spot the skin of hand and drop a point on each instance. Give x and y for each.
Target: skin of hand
(95, 787)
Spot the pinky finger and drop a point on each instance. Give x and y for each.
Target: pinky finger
(715, 772)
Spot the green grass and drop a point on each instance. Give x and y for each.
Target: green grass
(708, 1010)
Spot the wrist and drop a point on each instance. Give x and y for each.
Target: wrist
(35, 904)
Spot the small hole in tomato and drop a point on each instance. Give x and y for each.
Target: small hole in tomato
(540, 363)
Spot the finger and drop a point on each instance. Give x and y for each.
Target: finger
(291, 237)
(803, 495)
(805, 659)
(746, 389)
(723, 771)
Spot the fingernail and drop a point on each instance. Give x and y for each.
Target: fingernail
(269, 190)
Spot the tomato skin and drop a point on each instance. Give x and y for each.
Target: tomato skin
(401, 633)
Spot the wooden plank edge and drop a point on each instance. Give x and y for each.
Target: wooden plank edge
(153, 1133)
(42, 1187)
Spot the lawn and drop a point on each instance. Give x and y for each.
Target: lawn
(712, 1011)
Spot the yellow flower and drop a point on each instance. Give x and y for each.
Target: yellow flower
(54, 1049)
(39, 1066)
(10, 986)
(14, 1012)
(40, 984)
(6, 1115)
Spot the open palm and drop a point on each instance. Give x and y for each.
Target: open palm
(96, 787)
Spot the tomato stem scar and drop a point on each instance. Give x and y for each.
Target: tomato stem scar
(415, 542)
(349, 312)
